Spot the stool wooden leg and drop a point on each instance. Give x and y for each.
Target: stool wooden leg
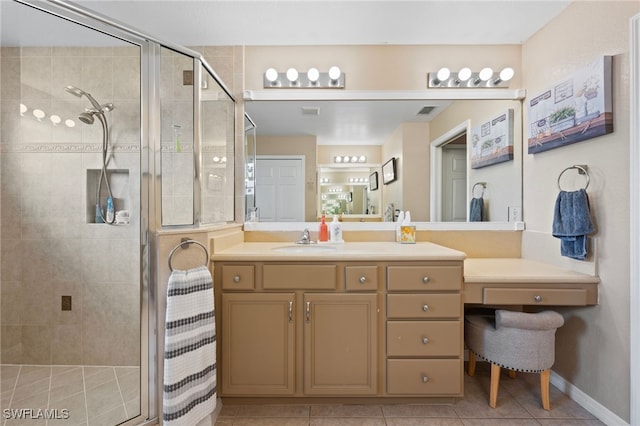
(495, 383)
(512, 374)
(471, 369)
(544, 388)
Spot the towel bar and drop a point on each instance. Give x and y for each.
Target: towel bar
(184, 244)
(582, 169)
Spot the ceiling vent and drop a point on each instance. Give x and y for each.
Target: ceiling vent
(310, 111)
(426, 110)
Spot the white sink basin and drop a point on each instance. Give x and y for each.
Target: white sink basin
(304, 248)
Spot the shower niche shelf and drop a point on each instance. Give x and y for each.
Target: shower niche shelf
(119, 183)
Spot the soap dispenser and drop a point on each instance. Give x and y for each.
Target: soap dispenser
(324, 232)
(336, 230)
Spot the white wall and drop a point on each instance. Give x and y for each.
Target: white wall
(592, 349)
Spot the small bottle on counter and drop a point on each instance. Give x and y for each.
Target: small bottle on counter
(336, 230)
(323, 235)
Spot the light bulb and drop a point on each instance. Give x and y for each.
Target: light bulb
(292, 75)
(216, 159)
(506, 74)
(55, 119)
(362, 159)
(338, 159)
(70, 123)
(23, 109)
(464, 74)
(334, 73)
(313, 75)
(443, 74)
(39, 114)
(485, 74)
(271, 74)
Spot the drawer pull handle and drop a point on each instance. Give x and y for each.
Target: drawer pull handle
(290, 311)
(425, 280)
(537, 298)
(308, 311)
(425, 378)
(425, 340)
(425, 307)
(236, 278)
(363, 279)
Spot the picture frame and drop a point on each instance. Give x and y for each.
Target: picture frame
(373, 181)
(389, 171)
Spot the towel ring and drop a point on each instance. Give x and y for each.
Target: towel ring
(185, 245)
(473, 190)
(581, 170)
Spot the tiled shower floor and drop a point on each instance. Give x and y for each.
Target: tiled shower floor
(518, 405)
(93, 395)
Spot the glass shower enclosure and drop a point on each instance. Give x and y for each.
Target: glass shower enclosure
(103, 142)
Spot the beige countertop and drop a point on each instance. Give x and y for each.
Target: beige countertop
(362, 251)
(520, 271)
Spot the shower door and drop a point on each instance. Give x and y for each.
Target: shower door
(72, 215)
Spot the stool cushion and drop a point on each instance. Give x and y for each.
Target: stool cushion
(514, 340)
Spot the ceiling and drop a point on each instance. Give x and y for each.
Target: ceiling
(306, 22)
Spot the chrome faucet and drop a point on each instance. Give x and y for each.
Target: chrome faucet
(305, 238)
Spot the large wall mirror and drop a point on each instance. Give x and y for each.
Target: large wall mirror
(445, 150)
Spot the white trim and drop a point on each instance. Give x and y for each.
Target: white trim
(380, 95)
(591, 405)
(436, 167)
(634, 230)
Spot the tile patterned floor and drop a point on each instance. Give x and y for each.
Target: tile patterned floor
(518, 405)
(93, 396)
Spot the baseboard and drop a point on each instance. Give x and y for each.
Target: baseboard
(591, 405)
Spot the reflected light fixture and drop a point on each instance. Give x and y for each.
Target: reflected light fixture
(312, 79)
(350, 159)
(466, 78)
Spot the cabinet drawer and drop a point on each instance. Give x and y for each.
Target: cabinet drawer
(424, 305)
(238, 277)
(303, 277)
(424, 376)
(361, 278)
(424, 338)
(535, 296)
(424, 278)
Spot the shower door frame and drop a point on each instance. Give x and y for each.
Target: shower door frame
(149, 131)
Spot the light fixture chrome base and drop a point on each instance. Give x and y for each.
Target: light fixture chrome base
(303, 82)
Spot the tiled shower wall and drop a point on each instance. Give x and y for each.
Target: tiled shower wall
(49, 247)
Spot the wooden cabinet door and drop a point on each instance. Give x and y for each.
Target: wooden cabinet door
(340, 344)
(258, 344)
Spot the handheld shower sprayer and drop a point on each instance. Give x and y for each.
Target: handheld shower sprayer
(88, 117)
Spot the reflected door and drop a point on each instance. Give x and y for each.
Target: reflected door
(280, 189)
(454, 183)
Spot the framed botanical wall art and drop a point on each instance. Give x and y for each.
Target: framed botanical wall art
(574, 110)
(389, 171)
(492, 141)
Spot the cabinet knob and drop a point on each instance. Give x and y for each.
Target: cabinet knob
(236, 278)
(537, 298)
(363, 279)
(425, 340)
(425, 307)
(425, 280)
(425, 378)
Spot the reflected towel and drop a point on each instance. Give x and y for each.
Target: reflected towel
(572, 223)
(190, 383)
(476, 210)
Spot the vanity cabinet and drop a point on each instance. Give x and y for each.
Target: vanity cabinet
(424, 330)
(340, 328)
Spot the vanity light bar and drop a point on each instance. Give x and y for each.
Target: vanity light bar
(465, 78)
(350, 159)
(312, 79)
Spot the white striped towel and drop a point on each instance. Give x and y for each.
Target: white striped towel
(190, 383)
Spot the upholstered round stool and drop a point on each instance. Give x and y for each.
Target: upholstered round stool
(517, 341)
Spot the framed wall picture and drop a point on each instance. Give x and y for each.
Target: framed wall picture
(373, 181)
(389, 171)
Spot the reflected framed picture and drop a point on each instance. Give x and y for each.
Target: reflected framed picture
(373, 181)
(389, 171)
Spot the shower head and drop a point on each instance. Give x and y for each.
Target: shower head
(86, 117)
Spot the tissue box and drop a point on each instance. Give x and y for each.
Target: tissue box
(407, 234)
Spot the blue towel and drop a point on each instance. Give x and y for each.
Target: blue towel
(572, 223)
(476, 210)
